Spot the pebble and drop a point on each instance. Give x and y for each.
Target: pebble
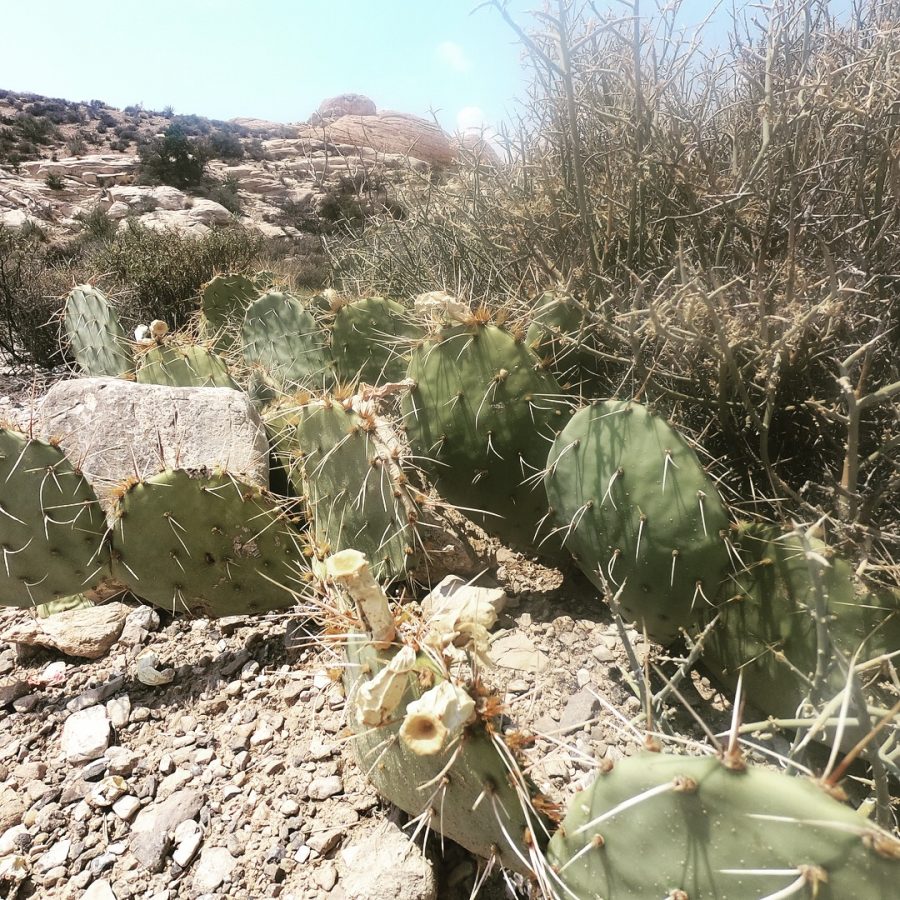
(324, 787)
(86, 735)
(152, 829)
(119, 710)
(54, 857)
(603, 654)
(188, 838)
(99, 890)
(289, 808)
(120, 760)
(214, 867)
(125, 807)
(326, 876)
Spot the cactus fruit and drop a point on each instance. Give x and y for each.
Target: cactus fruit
(422, 743)
(691, 828)
(767, 622)
(639, 514)
(188, 365)
(355, 497)
(370, 340)
(51, 525)
(480, 420)
(223, 302)
(204, 543)
(282, 337)
(95, 335)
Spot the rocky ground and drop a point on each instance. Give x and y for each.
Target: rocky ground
(148, 756)
(234, 778)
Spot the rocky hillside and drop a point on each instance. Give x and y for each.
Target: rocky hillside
(62, 160)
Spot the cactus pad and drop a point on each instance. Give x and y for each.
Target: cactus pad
(204, 543)
(51, 525)
(672, 826)
(184, 366)
(223, 302)
(637, 510)
(282, 337)
(371, 339)
(467, 791)
(355, 496)
(95, 335)
(481, 419)
(767, 625)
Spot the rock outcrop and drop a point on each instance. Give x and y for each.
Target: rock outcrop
(391, 132)
(295, 177)
(342, 105)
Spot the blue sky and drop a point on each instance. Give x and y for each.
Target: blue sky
(273, 59)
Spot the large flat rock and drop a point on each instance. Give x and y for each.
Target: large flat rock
(115, 430)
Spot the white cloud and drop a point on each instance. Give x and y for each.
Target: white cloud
(452, 55)
(470, 118)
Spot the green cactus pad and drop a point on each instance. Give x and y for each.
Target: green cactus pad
(674, 826)
(474, 803)
(559, 333)
(51, 525)
(189, 365)
(95, 335)
(282, 337)
(371, 340)
(354, 496)
(223, 302)
(632, 502)
(481, 419)
(767, 627)
(206, 544)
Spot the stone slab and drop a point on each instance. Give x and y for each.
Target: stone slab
(114, 429)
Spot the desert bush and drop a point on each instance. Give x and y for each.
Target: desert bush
(224, 192)
(156, 274)
(173, 159)
(97, 224)
(77, 146)
(54, 181)
(224, 145)
(31, 287)
(35, 130)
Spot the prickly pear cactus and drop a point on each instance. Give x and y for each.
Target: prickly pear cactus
(187, 365)
(223, 302)
(371, 340)
(204, 543)
(439, 758)
(51, 525)
(691, 828)
(283, 338)
(355, 497)
(635, 508)
(95, 335)
(481, 420)
(767, 620)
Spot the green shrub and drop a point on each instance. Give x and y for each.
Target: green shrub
(173, 159)
(224, 192)
(54, 181)
(157, 274)
(97, 224)
(31, 288)
(225, 145)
